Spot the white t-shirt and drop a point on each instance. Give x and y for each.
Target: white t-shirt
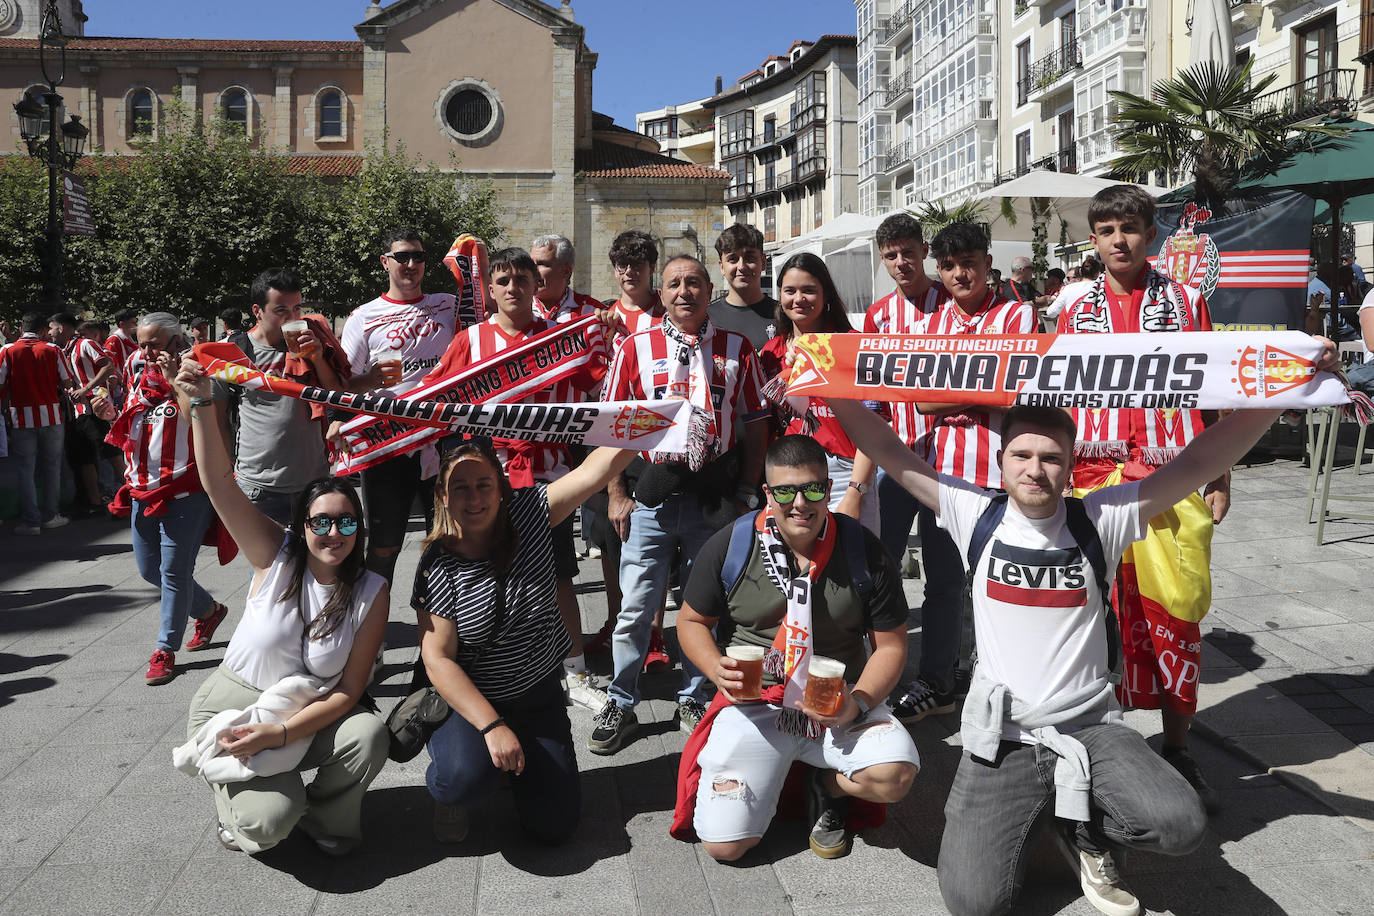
(1366, 303)
(416, 332)
(1037, 611)
(266, 645)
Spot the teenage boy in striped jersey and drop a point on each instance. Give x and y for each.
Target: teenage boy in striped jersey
(958, 440)
(91, 368)
(514, 279)
(33, 373)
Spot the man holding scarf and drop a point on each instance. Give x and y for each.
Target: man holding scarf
(1165, 584)
(514, 279)
(681, 499)
(798, 580)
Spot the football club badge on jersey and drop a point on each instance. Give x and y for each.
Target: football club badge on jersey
(1190, 257)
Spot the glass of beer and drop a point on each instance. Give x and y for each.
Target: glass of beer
(750, 659)
(824, 684)
(391, 371)
(292, 331)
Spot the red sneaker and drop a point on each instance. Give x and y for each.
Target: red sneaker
(161, 667)
(600, 644)
(205, 628)
(657, 659)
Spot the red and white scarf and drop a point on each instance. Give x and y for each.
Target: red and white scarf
(689, 377)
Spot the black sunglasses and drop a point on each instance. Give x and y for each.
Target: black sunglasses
(785, 493)
(406, 257)
(320, 524)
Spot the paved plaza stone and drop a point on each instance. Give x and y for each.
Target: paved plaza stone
(94, 819)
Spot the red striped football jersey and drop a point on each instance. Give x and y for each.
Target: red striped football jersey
(86, 358)
(32, 372)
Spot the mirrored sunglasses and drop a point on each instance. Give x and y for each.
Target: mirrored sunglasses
(320, 524)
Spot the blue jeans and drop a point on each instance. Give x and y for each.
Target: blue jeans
(548, 794)
(655, 536)
(165, 548)
(943, 607)
(1138, 801)
(37, 452)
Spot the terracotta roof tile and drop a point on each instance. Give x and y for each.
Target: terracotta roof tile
(611, 160)
(328, 166)
(117, 43)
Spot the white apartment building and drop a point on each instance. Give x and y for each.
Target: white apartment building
(787, 135)
(686, 132)
(1315, 49)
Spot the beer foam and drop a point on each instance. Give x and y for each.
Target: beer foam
(745, 653)
(825, 667)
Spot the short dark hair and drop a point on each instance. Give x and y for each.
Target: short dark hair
(897, 227)
(1055, 272)
(232, 318)
(91, 326)
(34, 323)
(1121, 201)
(795, 451)
(633, 245)
(124, 315)
(738, 237)
(282, 279)
(833, 311)
(66, 319)
(959, 238)
(511, 260)
(694, 259)
(1054, 420)
(401, 234)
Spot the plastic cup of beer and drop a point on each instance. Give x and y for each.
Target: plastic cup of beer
(750, 659)
(107, 412)
(824, 684)
(292, 330)
(391, 371)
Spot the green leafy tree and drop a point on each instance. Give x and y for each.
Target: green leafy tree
(23, 215)
(341, 241)
(1204, 122)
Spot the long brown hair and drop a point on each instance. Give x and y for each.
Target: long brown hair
(350, 570)
(505, 539)
(833, 315)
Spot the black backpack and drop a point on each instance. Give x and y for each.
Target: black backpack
(851, 540)
(1085, 535)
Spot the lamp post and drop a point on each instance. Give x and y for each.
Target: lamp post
(58, 148)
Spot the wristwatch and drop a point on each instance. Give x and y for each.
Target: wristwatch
(864, 709)
(861, 487)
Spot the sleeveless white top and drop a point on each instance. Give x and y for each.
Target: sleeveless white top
(267, 646)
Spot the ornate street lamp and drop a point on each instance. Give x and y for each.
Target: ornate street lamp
(56, 147)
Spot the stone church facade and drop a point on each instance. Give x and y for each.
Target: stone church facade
(498, 89)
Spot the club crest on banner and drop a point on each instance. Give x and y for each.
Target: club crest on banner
(634, 422)
(1268, 371)
(1189, 257)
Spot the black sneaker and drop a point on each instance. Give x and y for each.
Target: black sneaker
(827, 814)
(921, 700)
(963, 679)
(689, 714)
(1181, 760)
(614, 726)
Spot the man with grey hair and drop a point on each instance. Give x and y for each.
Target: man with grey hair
(555, 300)
(1021, 286)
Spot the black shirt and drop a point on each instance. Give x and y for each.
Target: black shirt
(751, 614)
(1021, 292)
(758, 322)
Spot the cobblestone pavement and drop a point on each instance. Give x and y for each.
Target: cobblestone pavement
(93, 819)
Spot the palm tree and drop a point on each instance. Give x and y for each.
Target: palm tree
(933, 215)
(1205, 122)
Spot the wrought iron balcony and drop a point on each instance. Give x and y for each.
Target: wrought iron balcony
(1326, 93)
(897, 86)
(1066, 160)
(1048, 70)
(897, 155)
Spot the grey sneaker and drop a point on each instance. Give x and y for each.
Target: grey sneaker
(450, 823)
(57, 521)
(921, 700)
(689, 714)
(614, 726)
(827, 814)
(1097, 875)
(1187, 767)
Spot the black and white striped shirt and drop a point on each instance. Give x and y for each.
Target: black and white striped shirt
(532, 640)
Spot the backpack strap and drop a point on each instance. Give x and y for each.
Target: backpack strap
(737, 553)
(851, 534)
(982, 532)
(1085, 534)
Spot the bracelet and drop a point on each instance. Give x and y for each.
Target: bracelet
(283, 734)
(495, 724)
(199, 402)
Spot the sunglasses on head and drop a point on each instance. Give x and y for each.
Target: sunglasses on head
(406, 257)
(320, 524)
(815, 491)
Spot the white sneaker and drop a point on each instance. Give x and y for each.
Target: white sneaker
(27, 530)
(57, 521)
(581, 690)
(1097, 875)
(593, 553)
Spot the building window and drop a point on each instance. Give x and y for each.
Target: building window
(662, 128)
(469, 111)
(331, 114)
(736, 133)
(817, 211)
(1023, 152)
(1023, 66)
(141, 113)
(234, 108)
(1316, 46)
(770, 224)
(796, 217)
(770, 129)
(809, 103)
